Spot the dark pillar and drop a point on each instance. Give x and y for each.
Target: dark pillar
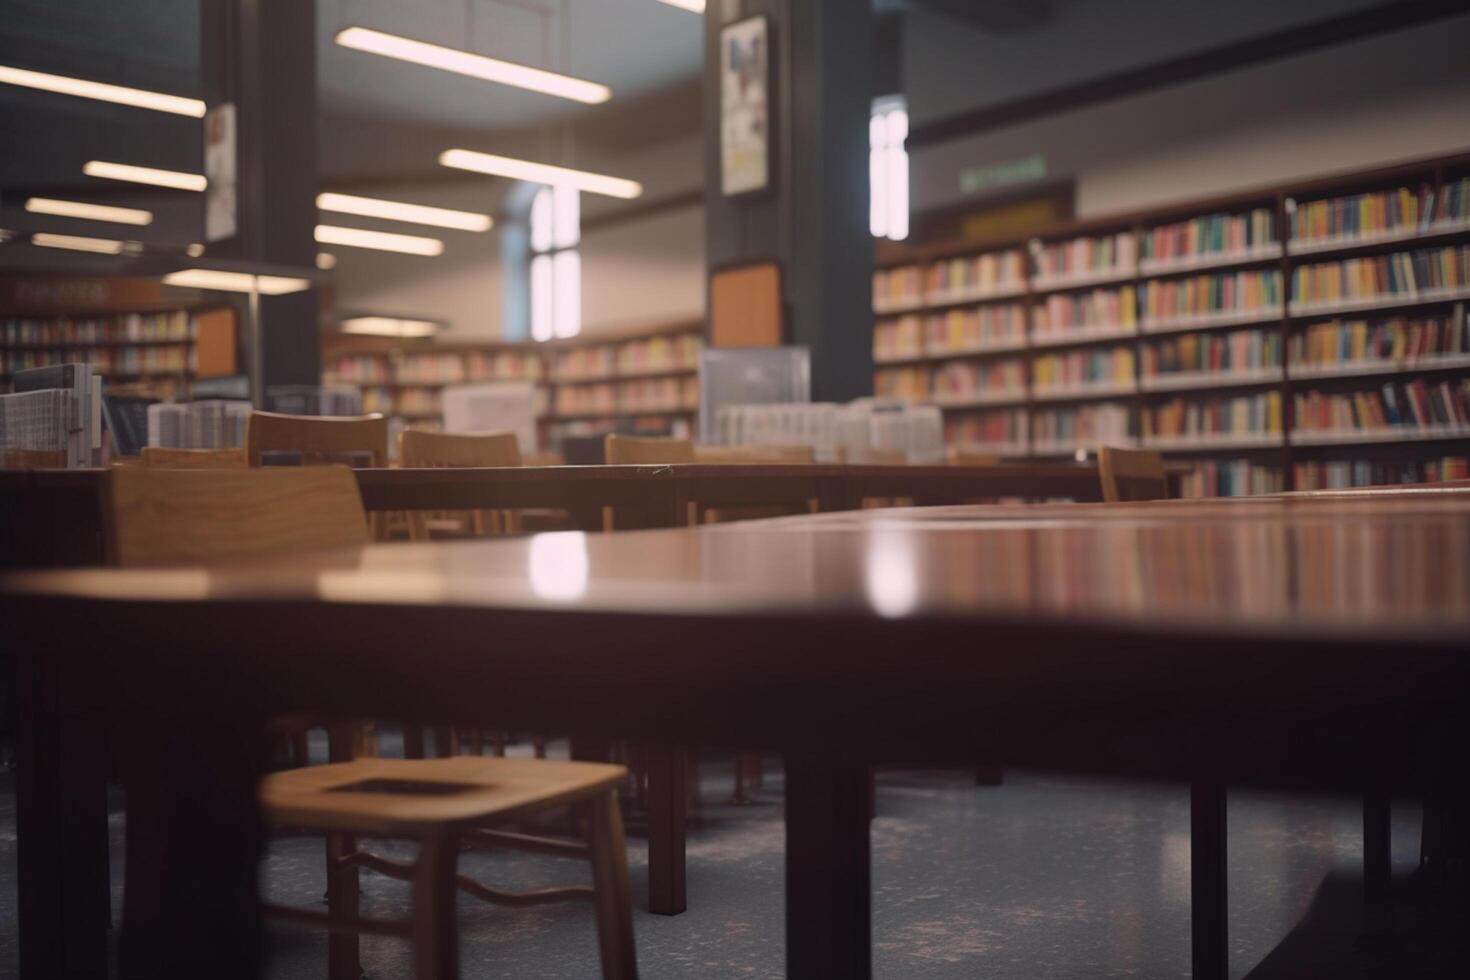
(814, 221)
(261, 55)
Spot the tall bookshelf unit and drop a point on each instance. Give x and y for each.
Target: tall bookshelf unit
(1292, 337)
(645, 380)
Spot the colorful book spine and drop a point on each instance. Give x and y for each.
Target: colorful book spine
(1080, 257)
(967, 380)
(1081, 426)
(999, 325)
(1231, 478)
(1078, 313)
(1197, 296)
(898, 287)
(899, 338)
(1210, 234)
(1413, 406)
(1378, 276)
(1338, 474)
(1363, 215)
(1247, 415)
(1398, 340)
(1099, 367)
(1239, 351)
(906, 383)
(993, 272)
(986, 429)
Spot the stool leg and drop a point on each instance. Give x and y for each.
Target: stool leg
(435, 932)
(343, 902)
(612, 895)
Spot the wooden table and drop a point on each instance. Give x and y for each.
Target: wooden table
(53, 517)
(1302, 643)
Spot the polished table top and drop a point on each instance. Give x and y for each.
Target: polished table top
(1394, 566)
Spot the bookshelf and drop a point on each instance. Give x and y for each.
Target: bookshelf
(645, 380)
(137, 336)
(1203, 329)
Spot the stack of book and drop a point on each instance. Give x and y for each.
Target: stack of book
(1104, 369)
(1416, 409)
(212, 424)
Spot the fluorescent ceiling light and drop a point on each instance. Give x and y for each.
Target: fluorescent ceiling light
(382, 240)
(77, 243)
(145, 175)
(383, 326)
(236, 282)
(695, 6)
(473, 65)
(102, 92)
(91, 212)
(371, 207)
(326, 260)
(540, 173)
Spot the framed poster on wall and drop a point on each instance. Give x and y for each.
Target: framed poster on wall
(745, 107)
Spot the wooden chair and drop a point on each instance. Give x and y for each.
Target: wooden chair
(620, 450)
(1131, 475)
(159, 516)
(417, 448)
(193, 459)
(317, 439)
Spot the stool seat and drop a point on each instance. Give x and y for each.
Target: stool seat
(401, 797)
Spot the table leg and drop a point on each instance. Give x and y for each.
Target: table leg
(666, 828)
(828, 873)
(1377, 866)
(1209, 925)
(194, 843)
(61, 827)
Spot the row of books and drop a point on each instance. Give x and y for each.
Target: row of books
(650, 395)
(959, 381)
(1244, 416)
(1412, 405)
(1068, 314)
(1371, 277)
(121, 329)
(906, 383)
(1060, 429)
(987, 429)
(1398, 339)
(1196, 297)
(1083, 368)
(210, 424)
(1088, 255)
(358, 369)
(109, 361)
(1210, 234)
(1231, 478)
(961, 329)
(1334, 474)
(1238, 351)
(646, 355)
(1378, 212)
(430, 369)
(991, 272)
(502, 365)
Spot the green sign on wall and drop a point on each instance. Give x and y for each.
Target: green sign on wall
(989, 176)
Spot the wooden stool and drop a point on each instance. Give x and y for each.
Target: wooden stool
(438, 803)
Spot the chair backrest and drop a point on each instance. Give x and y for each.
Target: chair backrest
(754, 454)
(620, 450)
(1131, 474)
(419, 448)
(317, 439)
(193, 459)
(157, 516)
(958, 457)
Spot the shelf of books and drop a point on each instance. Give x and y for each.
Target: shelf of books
(646, 381)
(1291, 337)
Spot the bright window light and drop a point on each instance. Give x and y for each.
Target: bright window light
(419, 214)
(77, 243)
(102, 92)
(236, 282)
(888, 170)
(556, 268)
(382, 326)
(473, 65)
(145, 175)
(540, 173)
(381, 240)
(89, 212)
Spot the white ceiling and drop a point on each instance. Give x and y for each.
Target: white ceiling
(633, 46)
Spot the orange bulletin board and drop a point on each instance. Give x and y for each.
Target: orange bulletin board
(215, 344)
(745, 306)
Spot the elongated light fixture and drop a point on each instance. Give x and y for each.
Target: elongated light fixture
(236, 282)
(90, 212)
(693, 6)
(102, 92)
(420, 214)
(145, 175)
(540, 173)
(384, 326)
(473, 65)
(77, 243)
(384, 241)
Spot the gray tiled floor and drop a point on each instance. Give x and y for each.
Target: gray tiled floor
(1040, 877)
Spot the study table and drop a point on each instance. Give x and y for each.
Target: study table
(1304, 643)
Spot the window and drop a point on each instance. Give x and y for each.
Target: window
(556, 266)
(888, 169)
